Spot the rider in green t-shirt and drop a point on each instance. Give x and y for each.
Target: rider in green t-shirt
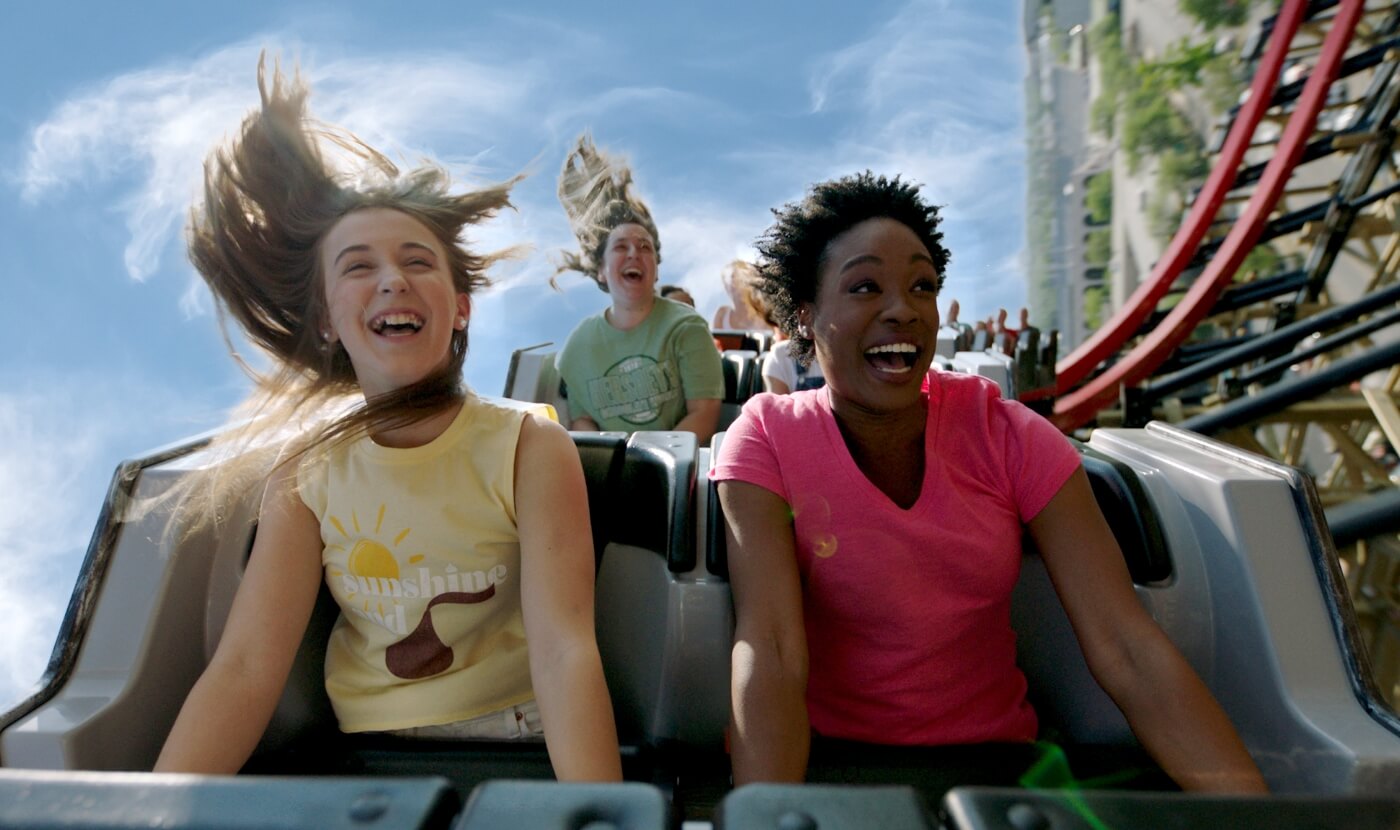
(644, 363)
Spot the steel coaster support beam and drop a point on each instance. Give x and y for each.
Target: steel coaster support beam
(1080, 406)
(1111, 337)
(1284, 338)
(1321, 347)
(1285, 393)
(1356, 179)
(1365, 517)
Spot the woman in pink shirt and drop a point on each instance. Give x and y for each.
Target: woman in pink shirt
(875, 528)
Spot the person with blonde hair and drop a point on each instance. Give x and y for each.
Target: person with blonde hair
(452, 530)
(742, 283)
(645, 362)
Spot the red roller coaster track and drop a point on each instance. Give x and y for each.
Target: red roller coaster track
(1077, 407)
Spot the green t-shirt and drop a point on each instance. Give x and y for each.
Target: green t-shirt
(640, 379)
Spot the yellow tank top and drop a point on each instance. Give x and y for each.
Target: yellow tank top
(422, 553)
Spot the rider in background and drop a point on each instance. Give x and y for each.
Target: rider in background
(643, 363)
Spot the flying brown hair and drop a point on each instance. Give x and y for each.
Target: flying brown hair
(270, 197)
(596, 192)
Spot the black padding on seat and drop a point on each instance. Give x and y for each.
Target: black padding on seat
(757, 385)
(775, 806)
(739, 369)
(976, 808)
(1131, 517)
(32, 800)
(655, 502)
(731, 379)
(716, 542)
(602, 455)
(554, 806)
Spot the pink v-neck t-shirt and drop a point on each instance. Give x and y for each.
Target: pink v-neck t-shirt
(907, 612)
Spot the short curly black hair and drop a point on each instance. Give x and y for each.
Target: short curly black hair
(792, 250)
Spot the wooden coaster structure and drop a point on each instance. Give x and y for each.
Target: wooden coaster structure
(1302, 364)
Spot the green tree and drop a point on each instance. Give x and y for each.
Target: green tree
(1150, 124)
(1098, 247)
(1115, 72)
(1094, 297)
(1222, 80)
(1183, 63)
(1213, 13)
(1098, 197)
(1183, 165)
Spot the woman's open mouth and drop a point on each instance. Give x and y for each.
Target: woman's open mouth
(893, 358)
(396, 324)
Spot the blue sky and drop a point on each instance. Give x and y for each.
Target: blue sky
(724, 109)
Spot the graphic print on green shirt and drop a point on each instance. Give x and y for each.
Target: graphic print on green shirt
(640, 378)
(635, 389)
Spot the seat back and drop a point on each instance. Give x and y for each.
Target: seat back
(533, 376)
(665, 624)
(741, 381)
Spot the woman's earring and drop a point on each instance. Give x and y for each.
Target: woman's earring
(461, 324)
(803, 331)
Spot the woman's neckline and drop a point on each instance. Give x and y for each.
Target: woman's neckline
(421, 433)
(611, 313)
(914, 440)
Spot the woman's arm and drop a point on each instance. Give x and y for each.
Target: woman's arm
(556, 555)
(777, 387)
(1166, 704)
(583, 423)
(769, 734)
(701, 376)
(701, 418)
(229, 707)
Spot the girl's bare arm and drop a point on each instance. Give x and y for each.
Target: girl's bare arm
(229, 707)
(1168, 707)
(769, 734)
(556, 554)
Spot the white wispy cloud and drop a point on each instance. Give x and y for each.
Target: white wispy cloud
(934, 95)
(55, 464)
(41, 536)
(699, 240)
(154, 127)
(954, 50)
(680, 105)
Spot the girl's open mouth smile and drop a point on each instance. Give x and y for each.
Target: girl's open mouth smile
(893, 358)
(396, 324)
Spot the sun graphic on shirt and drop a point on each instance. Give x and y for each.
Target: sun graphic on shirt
(369, 557)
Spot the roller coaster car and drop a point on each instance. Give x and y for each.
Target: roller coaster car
(1229, 552)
